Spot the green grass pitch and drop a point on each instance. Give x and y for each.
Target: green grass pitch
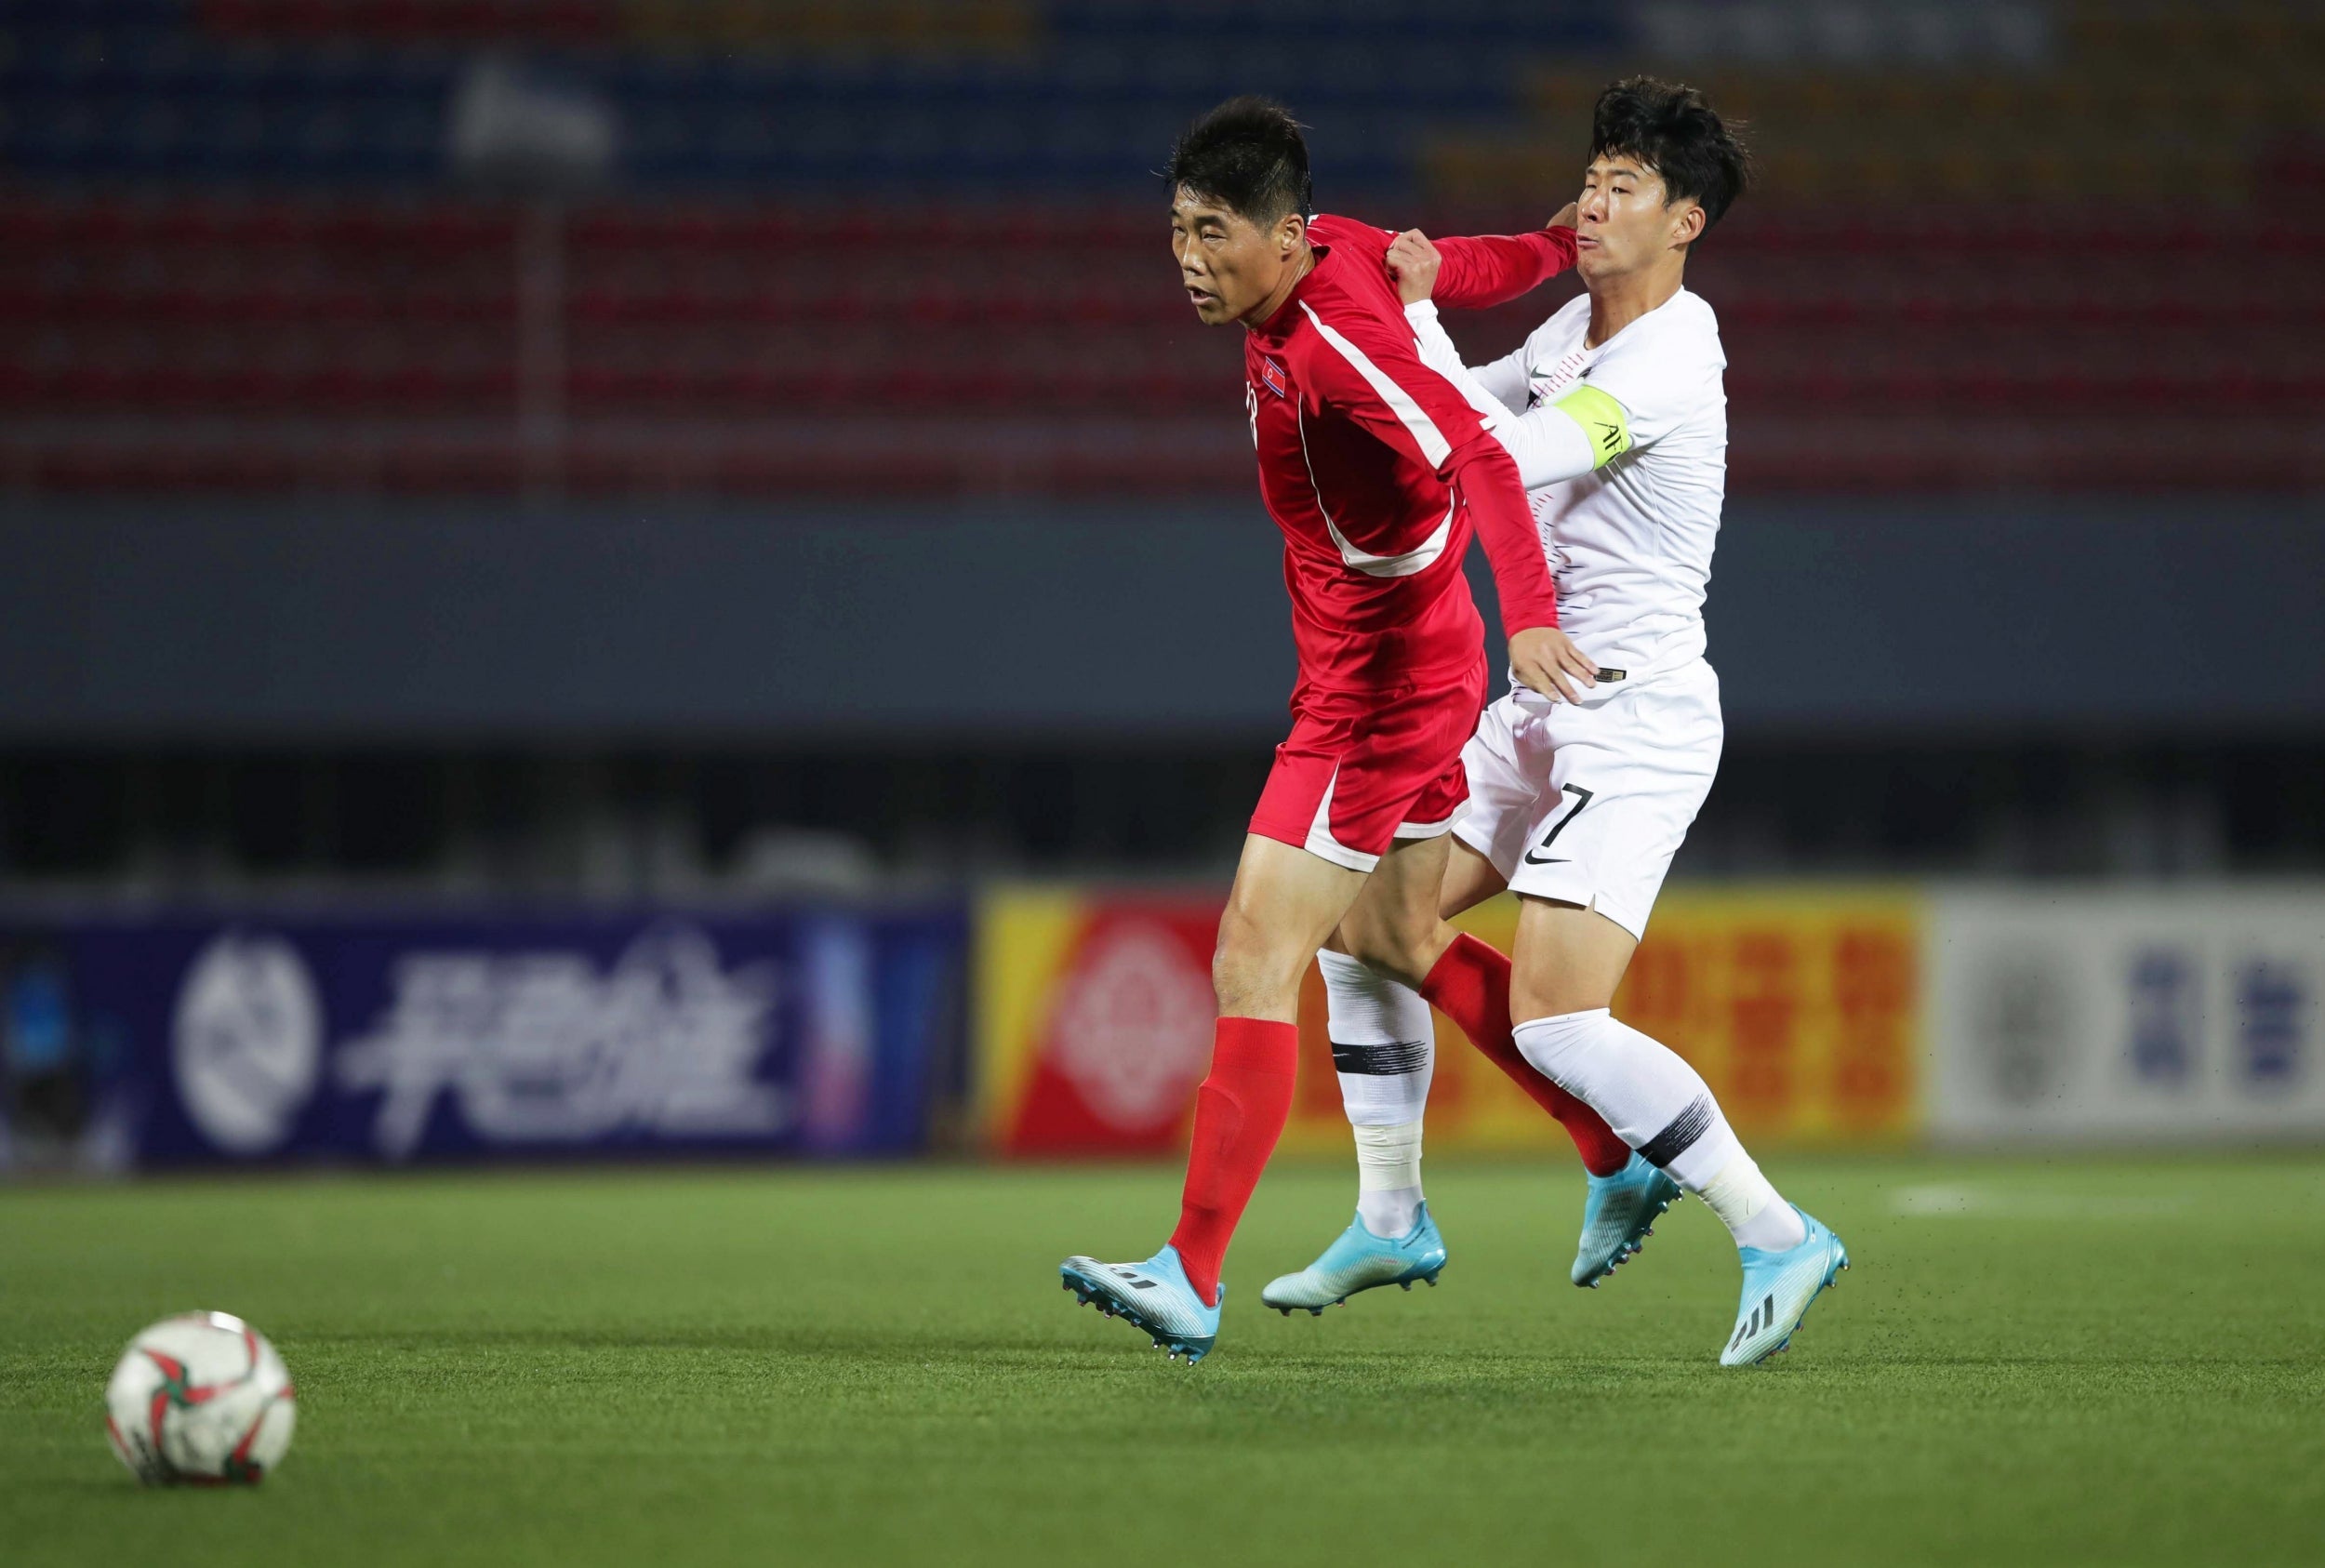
(2069, 1362)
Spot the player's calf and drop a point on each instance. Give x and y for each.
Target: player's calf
(1662, 1107)
(1239, 1108)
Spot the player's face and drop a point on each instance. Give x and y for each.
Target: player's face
(1229, 265)
(1621, 221)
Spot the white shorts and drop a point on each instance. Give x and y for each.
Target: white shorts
(1586, 803)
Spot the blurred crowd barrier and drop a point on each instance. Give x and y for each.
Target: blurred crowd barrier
(1820, 1015)
(1073, 1021)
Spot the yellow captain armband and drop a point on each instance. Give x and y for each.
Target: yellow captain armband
(1602, 419)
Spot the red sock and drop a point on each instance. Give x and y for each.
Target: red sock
(1470, 985)
(1239, 1112)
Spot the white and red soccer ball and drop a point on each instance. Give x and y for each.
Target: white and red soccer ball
(201, 1397)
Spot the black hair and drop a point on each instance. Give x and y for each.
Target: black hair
(1247, 155)
(1673, 131)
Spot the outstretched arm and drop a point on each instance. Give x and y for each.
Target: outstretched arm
(1583, 431)
(1496, 391)
(1493, 269)
(1414, 262)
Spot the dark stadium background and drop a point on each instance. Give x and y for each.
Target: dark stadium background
(459, 444)
(585, 583)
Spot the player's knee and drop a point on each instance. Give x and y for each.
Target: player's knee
(1251, 971)
(1404, 948)
(1551, 996)
(1248, 986)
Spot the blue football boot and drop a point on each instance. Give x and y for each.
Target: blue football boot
(1778, 1287)
(1618, 1215)
(1360, 1261)
(1153, 1296)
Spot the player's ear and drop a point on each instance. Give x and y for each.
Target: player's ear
(1689, 226)
(1291, 229)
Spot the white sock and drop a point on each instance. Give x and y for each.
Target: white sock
(1662, 1107)
(1384, 1043)
(1754, 1212)
(1389, 1179)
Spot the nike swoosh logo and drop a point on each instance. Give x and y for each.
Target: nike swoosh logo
(1548, 861)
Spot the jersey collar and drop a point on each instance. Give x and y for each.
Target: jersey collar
(1279, 327)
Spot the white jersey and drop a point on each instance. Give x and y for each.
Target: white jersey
(1629, 544)
(1586, 802)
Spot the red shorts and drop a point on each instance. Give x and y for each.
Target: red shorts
(1359, 771)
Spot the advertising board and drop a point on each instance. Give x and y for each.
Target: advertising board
(2095, 1013)
(194, 1040)
(1800, 1006)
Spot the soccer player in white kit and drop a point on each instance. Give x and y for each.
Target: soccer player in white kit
(1616, 413)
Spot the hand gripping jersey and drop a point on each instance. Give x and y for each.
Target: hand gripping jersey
(1376, 468)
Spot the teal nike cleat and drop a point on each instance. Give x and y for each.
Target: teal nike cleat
(1778, 1287)
(1153, 1296)
(1618, 1214)
(1360, 1261)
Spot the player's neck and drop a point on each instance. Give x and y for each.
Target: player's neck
(1616, 303)
(1265, 312)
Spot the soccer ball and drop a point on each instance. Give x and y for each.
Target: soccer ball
(200, 1398)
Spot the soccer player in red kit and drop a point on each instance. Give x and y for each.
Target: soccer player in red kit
(1377, 470)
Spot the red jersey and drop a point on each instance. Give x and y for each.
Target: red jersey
(1376, 468)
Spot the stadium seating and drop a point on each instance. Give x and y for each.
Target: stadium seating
(917, 247)
(145, 340)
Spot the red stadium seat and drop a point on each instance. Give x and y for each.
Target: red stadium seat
(343, 312)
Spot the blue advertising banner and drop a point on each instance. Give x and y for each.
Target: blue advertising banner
(191, 1041)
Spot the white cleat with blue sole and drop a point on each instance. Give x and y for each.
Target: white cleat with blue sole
(1153, 1296)
(1779, 1289)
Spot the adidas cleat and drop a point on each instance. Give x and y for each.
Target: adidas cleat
(1153, 1296)
(1360, 1261)
(1618, 1214)
(1778, 1288)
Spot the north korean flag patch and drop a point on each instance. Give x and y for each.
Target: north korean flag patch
(1272, 372)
